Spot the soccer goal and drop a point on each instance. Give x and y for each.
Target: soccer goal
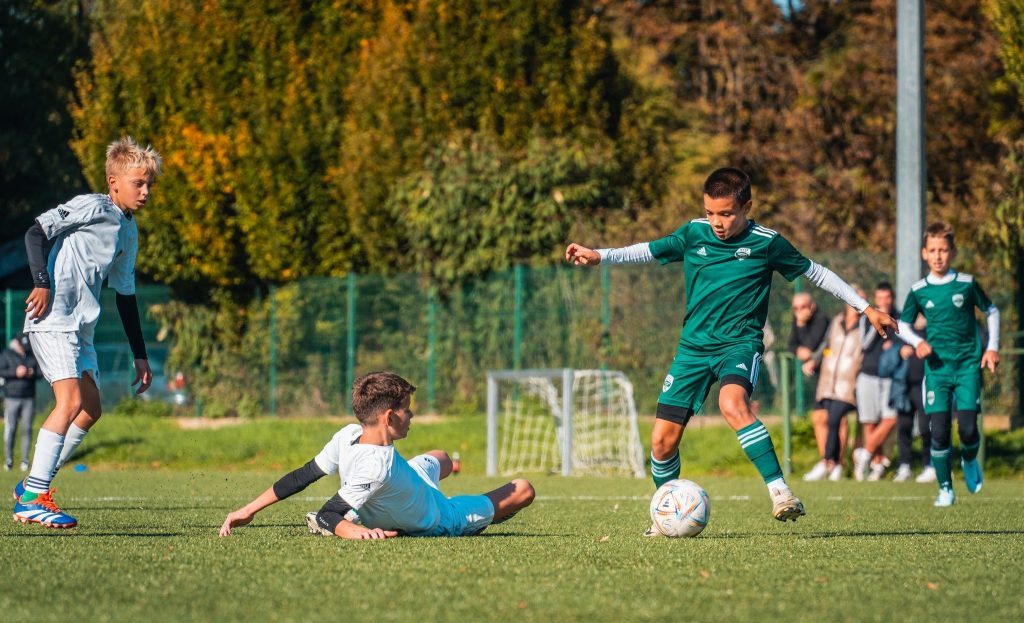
(568, 421)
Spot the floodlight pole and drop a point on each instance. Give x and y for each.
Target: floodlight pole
(910, 144)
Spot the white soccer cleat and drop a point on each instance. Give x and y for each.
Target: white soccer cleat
(836, 474)
(946, 498)
(903, 474)
(785, 505)
(861, 464)
(818, 472)
(876, 473)
(314, 527)
(927, 475)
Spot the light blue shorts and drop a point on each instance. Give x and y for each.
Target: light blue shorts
(466, 514)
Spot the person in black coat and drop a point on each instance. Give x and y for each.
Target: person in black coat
(18, 369)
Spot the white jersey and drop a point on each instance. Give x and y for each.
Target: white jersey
(93, 240)
(330, 457)
(386, 492)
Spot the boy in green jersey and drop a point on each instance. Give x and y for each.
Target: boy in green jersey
(728, 263)
(952, 354)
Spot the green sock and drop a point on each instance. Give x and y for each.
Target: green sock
(757, 443)
(940, 461)
(969, 453)
(664, 471)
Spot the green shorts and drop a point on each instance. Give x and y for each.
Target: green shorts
(692, 374)
(953, 385)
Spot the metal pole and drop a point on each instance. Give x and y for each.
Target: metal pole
(787, 436)
(910, 146)
(492, 425)
(606, 316)
(517, 320)
(431, 348)
(8, 317)
(350, 342)
(273, 350)
(567, 378)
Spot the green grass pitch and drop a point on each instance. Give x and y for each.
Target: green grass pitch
(147, 549)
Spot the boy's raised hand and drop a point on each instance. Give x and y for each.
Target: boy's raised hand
(579, 255)
(881, 321)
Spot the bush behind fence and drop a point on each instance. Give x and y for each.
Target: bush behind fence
(296, 350)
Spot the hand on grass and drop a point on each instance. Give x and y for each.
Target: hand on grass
(240, 517)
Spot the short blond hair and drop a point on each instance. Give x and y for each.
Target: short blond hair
(125, 153)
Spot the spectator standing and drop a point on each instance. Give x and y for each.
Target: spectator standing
(18, 368)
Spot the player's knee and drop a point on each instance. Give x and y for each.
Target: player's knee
(68, 408)
(524, 492)
(663, 445)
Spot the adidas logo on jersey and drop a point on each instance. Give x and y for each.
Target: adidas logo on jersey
(702, 252)
(929, 305)
(742, 366)
(63, 213)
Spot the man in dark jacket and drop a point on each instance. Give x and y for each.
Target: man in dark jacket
(18, 369)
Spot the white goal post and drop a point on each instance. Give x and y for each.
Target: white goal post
(538, 418)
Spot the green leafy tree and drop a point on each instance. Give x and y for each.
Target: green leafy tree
(40, 43)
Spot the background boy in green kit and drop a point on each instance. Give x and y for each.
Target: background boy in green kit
(728, 264)
(952, 354)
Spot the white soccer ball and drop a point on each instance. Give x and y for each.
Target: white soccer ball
(680, 508)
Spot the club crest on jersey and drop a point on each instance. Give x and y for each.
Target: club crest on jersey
(669, 379)
(742, 253)
(931, 398)
(958, 300)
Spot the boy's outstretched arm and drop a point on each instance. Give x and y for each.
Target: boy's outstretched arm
(834, 285)
(289, 484)
(639, 253)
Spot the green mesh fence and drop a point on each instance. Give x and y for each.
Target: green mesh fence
(307, 340)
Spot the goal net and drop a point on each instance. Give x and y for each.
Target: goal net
(562, 421)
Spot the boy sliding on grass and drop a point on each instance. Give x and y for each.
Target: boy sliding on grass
(728, 262)
(93, 237)
(952, 356)
(382, 495)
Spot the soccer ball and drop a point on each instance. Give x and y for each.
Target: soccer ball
(680, 508)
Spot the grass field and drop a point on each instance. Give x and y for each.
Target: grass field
(147, 549)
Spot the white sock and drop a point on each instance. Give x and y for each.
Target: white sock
(48, 446)
(779, 484)
(71, 441)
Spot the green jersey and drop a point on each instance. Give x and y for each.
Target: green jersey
(953, 331)
(727, 281)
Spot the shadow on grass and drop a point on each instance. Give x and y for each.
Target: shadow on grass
(90, 535)
(878, 533)
(83, 452)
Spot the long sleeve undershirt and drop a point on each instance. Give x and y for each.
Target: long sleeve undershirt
(817, 274)
(908, 335)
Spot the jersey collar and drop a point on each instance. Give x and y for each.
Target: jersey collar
(938, 281)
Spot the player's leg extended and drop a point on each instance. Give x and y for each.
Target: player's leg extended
(511, 498)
